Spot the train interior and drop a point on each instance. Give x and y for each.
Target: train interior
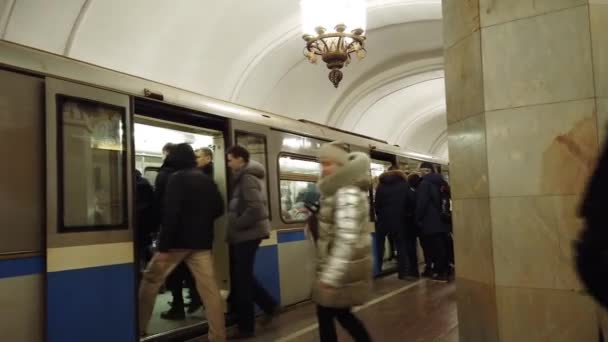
(150, 136)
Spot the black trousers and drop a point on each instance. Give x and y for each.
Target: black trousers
(381, 235)
(247, 291)
(175, 283)
(327, 325)
(407, 256)
(437, 244)
(450, 246)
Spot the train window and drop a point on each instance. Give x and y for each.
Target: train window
(298, 179)
(93, 165)
(256, 145)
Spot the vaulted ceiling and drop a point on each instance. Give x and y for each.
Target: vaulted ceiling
(250, 53)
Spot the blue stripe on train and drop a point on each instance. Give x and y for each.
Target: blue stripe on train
(293, 236)
(93, 304)
(266, 269)
(21, 267)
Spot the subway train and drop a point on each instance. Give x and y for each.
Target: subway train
(72, 136)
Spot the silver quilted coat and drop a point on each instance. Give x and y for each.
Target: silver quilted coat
(344, 253)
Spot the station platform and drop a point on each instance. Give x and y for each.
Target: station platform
(399, 311)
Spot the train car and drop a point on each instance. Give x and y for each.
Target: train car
(72, 136)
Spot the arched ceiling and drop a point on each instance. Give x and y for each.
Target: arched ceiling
(250, 53)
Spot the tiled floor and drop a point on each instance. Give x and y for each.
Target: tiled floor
(400, 311)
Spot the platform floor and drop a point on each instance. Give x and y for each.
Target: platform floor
(399, 311)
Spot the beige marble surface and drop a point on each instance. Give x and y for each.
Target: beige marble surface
(460, 19)
(540, 150)
(477, 313)
(599, 38)
(602, 119)
(603, 318)
(532, 241)
(468, 159)
(500, 11)
(464, 79)
(473, 240)
(545, 315)
(538, 60)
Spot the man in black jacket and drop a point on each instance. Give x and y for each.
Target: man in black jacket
(191, 204)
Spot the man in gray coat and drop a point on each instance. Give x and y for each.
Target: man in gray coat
(248, 225)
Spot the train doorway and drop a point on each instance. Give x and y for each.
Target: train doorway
(152, 130)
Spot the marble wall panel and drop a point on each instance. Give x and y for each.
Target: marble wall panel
(532, 241)
(468, 159)
(599, 38)
(473, 240)
(460, 19)
(463, 79)
(477, 313)
(541, 150)
(602, 119)
(545, 315)
(543, 59)
(494, 12)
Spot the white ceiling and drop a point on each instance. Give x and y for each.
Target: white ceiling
(250, 52)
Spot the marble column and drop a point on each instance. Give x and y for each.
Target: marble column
(527, 104)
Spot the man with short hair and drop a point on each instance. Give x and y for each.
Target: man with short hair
(204, 160)
(248, 225)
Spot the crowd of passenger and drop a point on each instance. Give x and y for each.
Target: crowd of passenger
(412, 207)
(176, 230)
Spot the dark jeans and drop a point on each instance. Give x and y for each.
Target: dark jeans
(327, 326)
(381, 235)
(437, 243)
(427, 252)
(450, 244)
(247, 290)
(407, 256)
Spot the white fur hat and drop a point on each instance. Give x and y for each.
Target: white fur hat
(336, 151)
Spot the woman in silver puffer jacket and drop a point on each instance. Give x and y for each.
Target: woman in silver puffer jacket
(344, 261)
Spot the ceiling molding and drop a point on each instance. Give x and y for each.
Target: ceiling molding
(439, 142)
(376, 100)
(7, 13)
(374, 81)
(84, 9)
(428, 113)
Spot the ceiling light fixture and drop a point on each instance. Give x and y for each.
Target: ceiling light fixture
(334, 46)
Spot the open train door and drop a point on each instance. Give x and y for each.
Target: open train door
(90, 285)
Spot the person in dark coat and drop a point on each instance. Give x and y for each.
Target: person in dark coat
(181, 274)
(162, 178)
(412, 230)
(433, 229)
(144, 210)
(192, 203)
(392, 199)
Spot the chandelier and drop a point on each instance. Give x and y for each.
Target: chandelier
(334, 46)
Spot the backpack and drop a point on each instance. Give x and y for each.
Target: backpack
(445, 203)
